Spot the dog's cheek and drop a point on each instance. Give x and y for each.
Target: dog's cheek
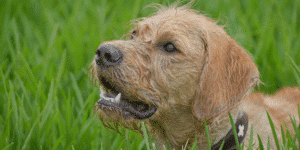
(184, 83)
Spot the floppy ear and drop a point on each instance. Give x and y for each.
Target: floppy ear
(228, 75)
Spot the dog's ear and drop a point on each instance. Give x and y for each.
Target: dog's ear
(228, 75)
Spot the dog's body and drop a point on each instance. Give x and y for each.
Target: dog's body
(179, 68)
(279, 106)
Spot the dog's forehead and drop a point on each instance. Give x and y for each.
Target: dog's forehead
(184, 17)
(168, 16)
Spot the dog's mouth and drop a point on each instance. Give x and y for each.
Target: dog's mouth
(116, 102)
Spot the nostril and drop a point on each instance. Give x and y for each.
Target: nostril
(107, 56)
(110, 58)
(98, 52)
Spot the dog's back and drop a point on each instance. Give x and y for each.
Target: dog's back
(280, 106)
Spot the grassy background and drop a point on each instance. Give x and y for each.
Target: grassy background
(46, 47)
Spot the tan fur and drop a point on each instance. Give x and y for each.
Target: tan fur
(210, 76)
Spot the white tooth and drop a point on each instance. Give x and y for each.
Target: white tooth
(102, 92)
(102, 95)
(117, 99)
(110, 99)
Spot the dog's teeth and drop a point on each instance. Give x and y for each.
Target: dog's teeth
(111, 99)
(114, 100)
(102, 90)
(102, 95)
(117, 99)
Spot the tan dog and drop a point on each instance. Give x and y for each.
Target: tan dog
(179, 68)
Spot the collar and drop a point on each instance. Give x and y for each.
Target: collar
(241, 127)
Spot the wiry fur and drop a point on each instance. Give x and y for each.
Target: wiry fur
(210, 76)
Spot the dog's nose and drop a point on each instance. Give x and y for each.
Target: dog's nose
(108, 55)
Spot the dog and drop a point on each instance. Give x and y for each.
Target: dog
(178, 68)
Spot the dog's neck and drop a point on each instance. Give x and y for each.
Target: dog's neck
(220, 129)
(241, 127)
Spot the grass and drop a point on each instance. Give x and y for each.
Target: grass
(46, 47)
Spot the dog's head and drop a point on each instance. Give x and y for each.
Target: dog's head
(176, 64)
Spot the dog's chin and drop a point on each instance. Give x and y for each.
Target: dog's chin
(117, 102)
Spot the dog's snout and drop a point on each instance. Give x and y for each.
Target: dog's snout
(108, 55)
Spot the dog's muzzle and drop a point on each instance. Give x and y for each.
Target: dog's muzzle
(117, 101)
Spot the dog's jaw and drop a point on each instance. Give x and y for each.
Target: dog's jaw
(120, 102)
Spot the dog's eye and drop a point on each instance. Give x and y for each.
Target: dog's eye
(133, 34)
(170, 48)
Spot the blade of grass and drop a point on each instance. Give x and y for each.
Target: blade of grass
(207, 134)
(29, 136)
(282, 134)
(221, 147)
(8, 146)
(77, 91)
(261, 147)
(145, 133)
(234, 132)
(273, 131)
(194, 146)
(296, 130)
(268, 146)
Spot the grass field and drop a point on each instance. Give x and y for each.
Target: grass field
(47, 46)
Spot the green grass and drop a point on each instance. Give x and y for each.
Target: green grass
(46, 47)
